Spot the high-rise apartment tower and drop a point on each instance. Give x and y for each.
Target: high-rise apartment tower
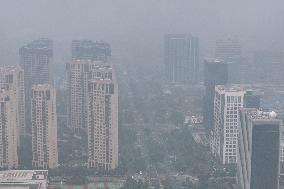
(9, 133)
(102, 120)
(44, 127)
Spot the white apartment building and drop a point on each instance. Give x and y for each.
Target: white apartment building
(224, 137)
(12, 79)
(8, 130)
(102, 120)
(79, 72)
(44, 127)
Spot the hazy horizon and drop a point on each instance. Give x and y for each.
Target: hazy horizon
(136, 26)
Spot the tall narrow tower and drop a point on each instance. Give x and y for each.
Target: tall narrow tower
(224, 137)
(44, 127)
(103, 120)
(12, 79)
(215, 73)
(8, 130)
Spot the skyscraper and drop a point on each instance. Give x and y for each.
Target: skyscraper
(9, 130)
(181, 58)
(12, 79)
(79, 72)
(259, 143)
(224, 137)
(228, 49)
(36, 61)
(44, 127)
(89, 50)
(215, 73)
(103, 120)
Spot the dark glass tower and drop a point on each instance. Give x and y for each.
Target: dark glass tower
(215, 73)
(259, 146)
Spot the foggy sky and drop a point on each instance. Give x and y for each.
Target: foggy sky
(132, 25)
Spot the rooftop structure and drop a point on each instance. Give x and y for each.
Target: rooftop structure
(24, 179)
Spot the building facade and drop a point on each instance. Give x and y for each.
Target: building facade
(36, 61)
(44, 127)
(224, 137)
(181, 58)
(228, 49)
(9, 132)
(90, 50)
(215, 73)
(79, 72)
(12, 79)
(102, 120)
(258, 152)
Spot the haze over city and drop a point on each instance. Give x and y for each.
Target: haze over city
(141, 94)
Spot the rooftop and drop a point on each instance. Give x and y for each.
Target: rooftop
(231, 88)
(258, 114)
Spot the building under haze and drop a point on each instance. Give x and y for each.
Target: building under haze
(181, 58)
(79, 72)
(89, 50)
(102, 120)
(12, 79)
(259, 143)
(44, 127)
(215, 73)
(268, 67)
(36, 61)
(228, 49)
(224, 137)
(252, 99)
(9, 130)
(240, 71)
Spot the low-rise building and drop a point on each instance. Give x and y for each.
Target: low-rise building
(24, 179)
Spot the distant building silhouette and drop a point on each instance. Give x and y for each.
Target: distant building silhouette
(181, 58)
(259, 143)
(36, 61)
(268, 67)
(228, 49)
(44, 127)
(215, 73)
(89, 50)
